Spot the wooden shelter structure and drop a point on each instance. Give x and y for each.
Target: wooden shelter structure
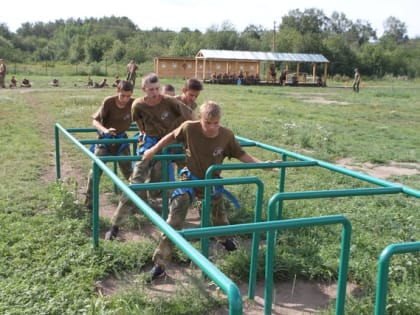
(208, 62)
(175, 67)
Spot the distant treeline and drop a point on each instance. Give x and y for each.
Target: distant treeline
(347, 44)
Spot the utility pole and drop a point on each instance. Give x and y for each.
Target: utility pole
(274, 37)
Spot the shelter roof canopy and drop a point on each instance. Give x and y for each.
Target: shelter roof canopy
(259, 55)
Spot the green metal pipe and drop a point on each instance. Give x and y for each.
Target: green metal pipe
(57, 152)
(383, 270)
(271, 227)
(247, 228)
(333, 167)
(111, 158)
(226, 284)
(92, 129)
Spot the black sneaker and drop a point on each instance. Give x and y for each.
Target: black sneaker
(229, 245)
(112, 233)
(155, 273)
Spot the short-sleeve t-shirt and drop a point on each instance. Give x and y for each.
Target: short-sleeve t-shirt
(193, 105)
(110, 115)
(158, 120)
(202, 151)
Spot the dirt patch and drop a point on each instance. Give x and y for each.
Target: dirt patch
(322, 100)
(292, 297)
(381, 171)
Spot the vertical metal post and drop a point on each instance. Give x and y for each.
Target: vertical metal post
(57, 152)
(255, 242)
(95, 204)
(382, 278)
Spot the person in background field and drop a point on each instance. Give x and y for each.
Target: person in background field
(116, 82)
(112, 120)
(156, 115)
(283, 77)
(206, 143)
(102, 84)
(3, 71)
(89, 82)
(168, 89)
(356, 81)
(13, 82)
(132, 71)
(54, 83)
(25, 83)
(190, 93)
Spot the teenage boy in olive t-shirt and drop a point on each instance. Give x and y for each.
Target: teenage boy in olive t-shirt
(112, 120)
(206, 143)
(156, 115)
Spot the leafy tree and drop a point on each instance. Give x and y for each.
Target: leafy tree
(289, 40)
(342, 58)
(186, 43)
(360, 33)
(77, 52)
(224, 37)
(6, 48)
(395, 32)
(309, 21)
(96, 47)
(338, 24)
(5, 32)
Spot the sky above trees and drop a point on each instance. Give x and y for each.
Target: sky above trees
(177, 14)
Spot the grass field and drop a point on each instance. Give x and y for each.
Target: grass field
(47, 265)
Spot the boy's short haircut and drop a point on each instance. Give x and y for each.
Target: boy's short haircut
(125, 86)
(168, 88)
(210, 110)
(150, 78)
(193, 84)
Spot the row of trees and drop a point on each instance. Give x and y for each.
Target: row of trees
(344, 42)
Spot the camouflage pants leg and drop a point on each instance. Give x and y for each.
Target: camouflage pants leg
(178, 210)
(219, 215)
(125, 206)
(125, 167)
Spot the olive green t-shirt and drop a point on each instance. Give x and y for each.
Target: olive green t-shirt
(158, 120)
(110, 115)
(193, 106)
(201, 151)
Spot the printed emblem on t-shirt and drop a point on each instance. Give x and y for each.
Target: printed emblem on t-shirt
(164, 116)
(218, 151)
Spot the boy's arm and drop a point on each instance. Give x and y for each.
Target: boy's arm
(102, 129)
(248, 158)
(166, 140)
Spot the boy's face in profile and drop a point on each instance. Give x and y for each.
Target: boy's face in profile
(190, 96)
(210, 126)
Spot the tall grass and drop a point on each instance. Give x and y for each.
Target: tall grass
(47, 265)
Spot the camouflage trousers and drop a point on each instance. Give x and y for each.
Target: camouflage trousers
(125, 167)
(178, 209)
(144, 172)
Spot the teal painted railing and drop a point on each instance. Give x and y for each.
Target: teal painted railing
(226, 284)
(271, 227)
(383, 269)
(274, 214)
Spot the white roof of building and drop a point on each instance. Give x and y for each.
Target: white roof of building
(259, 55)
